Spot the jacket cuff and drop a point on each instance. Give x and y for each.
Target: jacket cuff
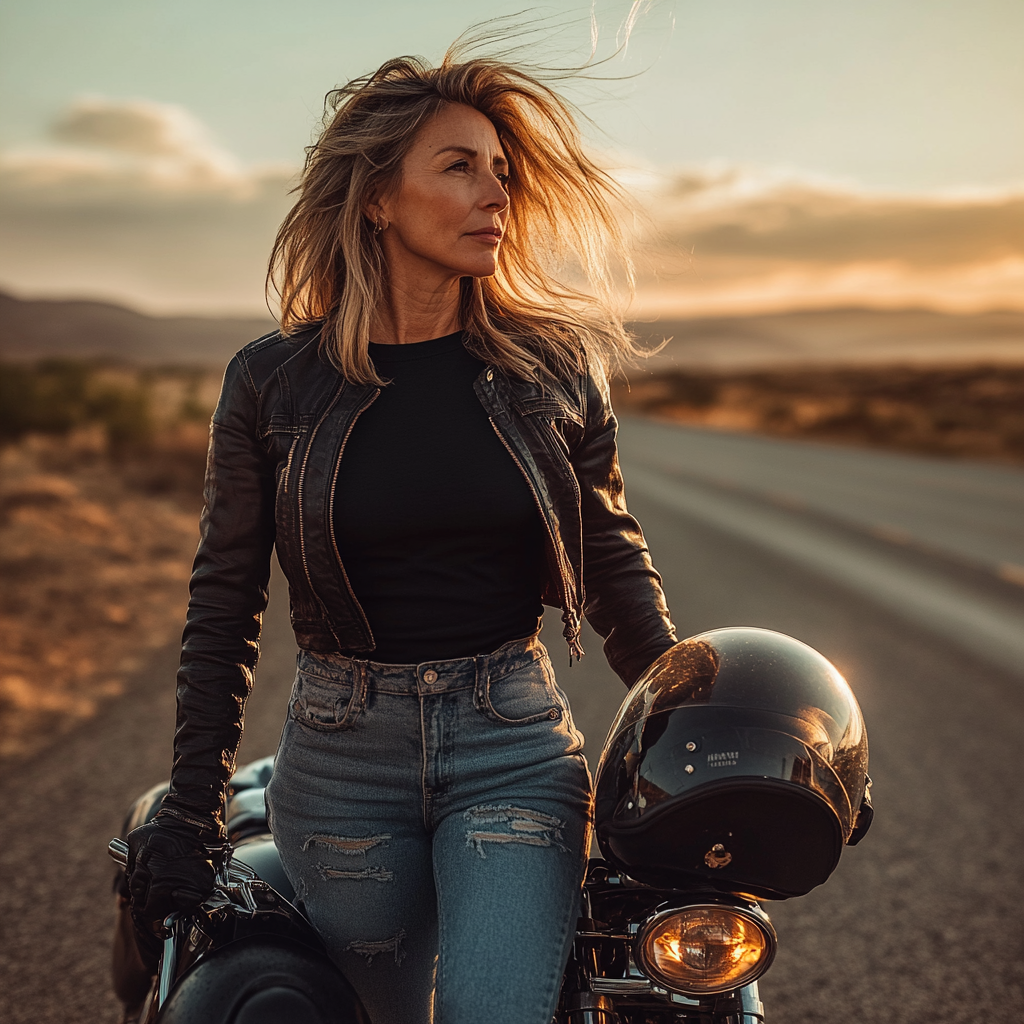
(210, 828)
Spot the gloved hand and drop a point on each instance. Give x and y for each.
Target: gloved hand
(169, 868)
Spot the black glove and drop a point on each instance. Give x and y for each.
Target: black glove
(169, 868)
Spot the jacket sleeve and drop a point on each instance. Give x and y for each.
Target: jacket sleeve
(624, 601)
(230, 575)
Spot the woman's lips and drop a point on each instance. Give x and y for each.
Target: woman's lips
(487, 234)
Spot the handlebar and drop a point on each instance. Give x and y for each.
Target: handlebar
(118, 850)
(236, 881)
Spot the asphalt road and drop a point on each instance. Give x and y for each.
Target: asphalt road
(895, 567)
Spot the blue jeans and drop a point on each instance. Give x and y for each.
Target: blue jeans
(435, 821)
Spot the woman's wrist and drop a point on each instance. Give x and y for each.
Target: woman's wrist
(209, 828)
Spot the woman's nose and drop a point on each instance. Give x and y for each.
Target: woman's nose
(496, 197)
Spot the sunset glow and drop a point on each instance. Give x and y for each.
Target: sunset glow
(809, 157)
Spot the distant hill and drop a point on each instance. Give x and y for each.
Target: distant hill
(43, 328)
(39, 329)
(837, 337)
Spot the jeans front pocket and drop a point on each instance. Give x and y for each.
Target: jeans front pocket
(524, 696)
(327, 705)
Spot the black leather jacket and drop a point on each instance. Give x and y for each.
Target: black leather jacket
(277, 436)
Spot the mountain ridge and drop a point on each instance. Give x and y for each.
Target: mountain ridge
(32, 329)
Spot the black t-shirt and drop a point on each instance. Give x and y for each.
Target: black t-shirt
(437, 528)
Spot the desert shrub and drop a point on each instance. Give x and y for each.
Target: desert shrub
(971, 411)
(57, 396)
(123, 410)
(49, 398)
(193, 409)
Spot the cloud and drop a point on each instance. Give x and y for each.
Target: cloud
(724, 238)
(139, 128)
(134, 201)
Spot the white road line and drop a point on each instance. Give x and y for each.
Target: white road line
(983, 627)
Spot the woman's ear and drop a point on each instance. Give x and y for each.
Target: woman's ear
(375, 214)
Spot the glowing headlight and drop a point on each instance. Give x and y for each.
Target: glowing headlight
(705, 949)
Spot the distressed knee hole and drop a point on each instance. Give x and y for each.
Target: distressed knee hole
(508, 824)
(370, 874)
(368, 950)
(353, 846)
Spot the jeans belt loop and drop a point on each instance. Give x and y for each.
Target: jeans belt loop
(480, 680)
(358, 700)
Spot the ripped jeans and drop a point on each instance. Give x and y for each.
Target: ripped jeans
(435, 821)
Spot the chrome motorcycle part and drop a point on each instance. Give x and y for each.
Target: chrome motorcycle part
(118, 850)
(591, 1008)
(238, 885)
(621, 986)
(707, 948)
(169, 960)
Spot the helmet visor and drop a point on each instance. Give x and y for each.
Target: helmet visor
(758, 670)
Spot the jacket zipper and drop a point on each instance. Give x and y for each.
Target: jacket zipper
(302, 531)
(575, 648)
(330, 513)
(288, 463)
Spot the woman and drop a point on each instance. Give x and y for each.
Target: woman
(428, 443)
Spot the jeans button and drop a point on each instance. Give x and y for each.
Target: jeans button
(430, 677)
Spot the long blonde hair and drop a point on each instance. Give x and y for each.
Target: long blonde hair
(565, 222)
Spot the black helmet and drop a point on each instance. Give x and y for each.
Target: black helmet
(738, 761)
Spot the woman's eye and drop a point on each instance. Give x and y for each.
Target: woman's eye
(462, 165)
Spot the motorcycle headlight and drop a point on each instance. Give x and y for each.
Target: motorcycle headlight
(706, 949)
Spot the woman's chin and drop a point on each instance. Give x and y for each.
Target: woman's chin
(488, 267)
(478, 269)
(483, 262)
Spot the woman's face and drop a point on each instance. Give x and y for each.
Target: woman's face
(449, 212)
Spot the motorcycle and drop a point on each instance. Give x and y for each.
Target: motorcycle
(735, 772)
(247, 955)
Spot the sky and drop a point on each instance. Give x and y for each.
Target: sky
(791, 153)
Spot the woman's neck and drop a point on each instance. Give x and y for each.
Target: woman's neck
(417, 311)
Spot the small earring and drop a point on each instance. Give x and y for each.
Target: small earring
(377, 226)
